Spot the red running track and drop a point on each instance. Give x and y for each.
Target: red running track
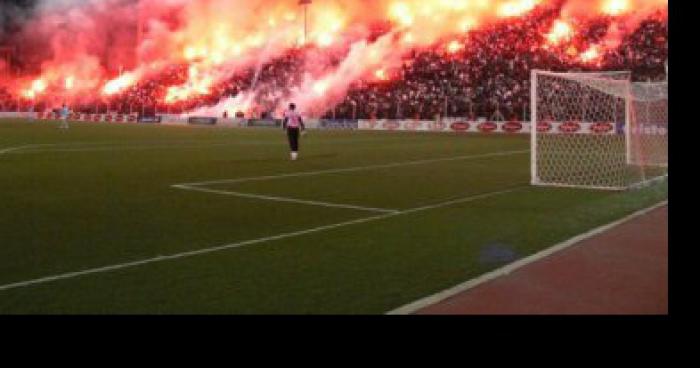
(622, 271)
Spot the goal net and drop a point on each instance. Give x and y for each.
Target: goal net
(598, 130)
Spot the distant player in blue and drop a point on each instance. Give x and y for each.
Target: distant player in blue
(65, 111)
(31, 113)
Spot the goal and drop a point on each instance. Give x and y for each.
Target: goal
(598, 130)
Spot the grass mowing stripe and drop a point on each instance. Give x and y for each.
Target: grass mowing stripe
(121, 266)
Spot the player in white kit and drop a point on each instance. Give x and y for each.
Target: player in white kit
(294, 125)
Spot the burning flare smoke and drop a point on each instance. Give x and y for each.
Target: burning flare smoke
(88, 48)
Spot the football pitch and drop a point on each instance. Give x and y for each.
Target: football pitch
(125, 219)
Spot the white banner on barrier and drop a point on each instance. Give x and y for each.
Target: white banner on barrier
(96, 118)
(575, 127)
(487, 127)
(404, 125)
(173, 119)
(312, 123)
(453, 125)
(446, 125)
(17, 115)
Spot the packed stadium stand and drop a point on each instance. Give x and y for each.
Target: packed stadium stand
(489, 77)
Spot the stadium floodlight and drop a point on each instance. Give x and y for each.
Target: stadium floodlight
(598, 130)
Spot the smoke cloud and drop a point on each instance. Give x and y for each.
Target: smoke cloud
(79, 48)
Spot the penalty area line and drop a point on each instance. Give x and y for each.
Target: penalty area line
(285, 199)
(162, 258)
(356, 168)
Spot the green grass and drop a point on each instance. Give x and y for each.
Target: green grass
(100, 195)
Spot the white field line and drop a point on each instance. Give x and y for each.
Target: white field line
(121, 266)
(126, 148)
(25, 147)
(198, 186)
(17, 148)
(42, 145)
(471, 284)
(44, 148)
(165, 146)
(116, 146)
(285, 199)
(354, 169)
(105, 143)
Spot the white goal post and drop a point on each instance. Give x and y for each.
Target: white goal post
(597, 130)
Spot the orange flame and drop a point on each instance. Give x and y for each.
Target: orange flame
(615, 7)
(517, 8)
(222, 43)
(198, 84)
(320, 87)
(454, 47)
(590, 55)
(561, 31)
(381, 75)
(401, 13)
(39, 86)
(117, 85)
(69, 83)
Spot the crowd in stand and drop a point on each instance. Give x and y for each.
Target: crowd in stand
(488, 77)
(6, 100)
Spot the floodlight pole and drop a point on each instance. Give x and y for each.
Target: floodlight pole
(305, 4)
(139, 32)
(6, 53)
